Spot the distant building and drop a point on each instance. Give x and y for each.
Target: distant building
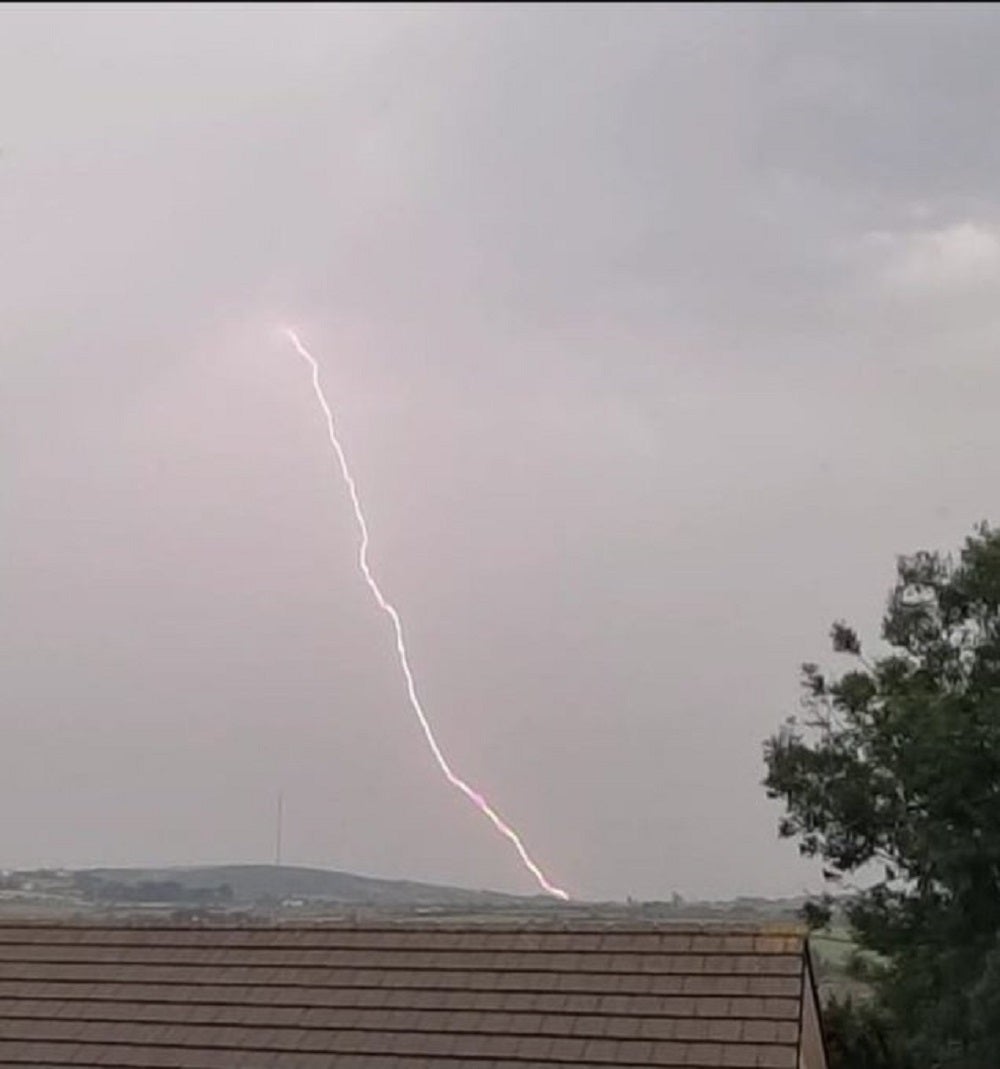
(408, 995)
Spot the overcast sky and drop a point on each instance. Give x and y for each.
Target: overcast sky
(653, 333)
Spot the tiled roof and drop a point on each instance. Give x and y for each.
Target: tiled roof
(419, 996)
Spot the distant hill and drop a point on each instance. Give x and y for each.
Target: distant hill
(252, 884)
(292, 892)
(248, 885)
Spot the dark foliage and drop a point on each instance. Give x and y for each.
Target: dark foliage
(895, 770)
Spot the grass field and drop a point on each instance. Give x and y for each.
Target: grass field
(833, 951)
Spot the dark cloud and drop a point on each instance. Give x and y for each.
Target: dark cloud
(654, 333)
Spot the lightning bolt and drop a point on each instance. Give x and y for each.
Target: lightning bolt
(456, 781)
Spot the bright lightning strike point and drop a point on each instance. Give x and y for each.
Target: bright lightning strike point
(456, 781)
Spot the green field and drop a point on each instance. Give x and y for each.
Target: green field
(834, 954)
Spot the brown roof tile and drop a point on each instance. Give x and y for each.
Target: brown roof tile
(419, 996)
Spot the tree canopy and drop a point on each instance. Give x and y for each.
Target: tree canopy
(891, 776)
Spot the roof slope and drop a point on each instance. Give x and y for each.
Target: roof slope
(414, 995)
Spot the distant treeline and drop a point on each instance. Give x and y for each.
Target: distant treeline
(99, 890)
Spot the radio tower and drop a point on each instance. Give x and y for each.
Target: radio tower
(277, 828)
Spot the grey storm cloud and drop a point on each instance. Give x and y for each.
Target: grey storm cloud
(654, 333)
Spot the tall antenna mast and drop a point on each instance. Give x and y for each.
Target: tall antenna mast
(277, 829)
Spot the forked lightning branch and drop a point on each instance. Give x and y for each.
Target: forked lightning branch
(456, 781)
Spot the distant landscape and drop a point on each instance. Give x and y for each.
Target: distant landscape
(290, 894)
(288, 891)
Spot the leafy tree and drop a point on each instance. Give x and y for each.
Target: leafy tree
(858, 1036)
(893, 775)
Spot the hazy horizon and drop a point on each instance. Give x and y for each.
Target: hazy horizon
(653, 333)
